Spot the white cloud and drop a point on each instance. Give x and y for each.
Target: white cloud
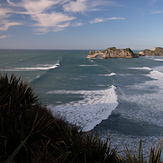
(115, 18)
(62, 27)
(4, 25)
(36, 6)
(4, 22)
(77, 6)
(49, 15)
(53, 21)
(39, 6)
(86, 5)
(38, 11)
(4, 12)
(99, 20)
(3, 36)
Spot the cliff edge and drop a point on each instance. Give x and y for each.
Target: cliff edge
(112, 52)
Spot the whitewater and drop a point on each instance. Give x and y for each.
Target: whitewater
(90, 111)
(119, 97)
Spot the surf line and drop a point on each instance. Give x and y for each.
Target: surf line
(38, 67)
(91, 110)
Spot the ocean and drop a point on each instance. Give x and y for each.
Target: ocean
(118, 97)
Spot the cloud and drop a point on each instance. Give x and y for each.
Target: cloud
(49, 15)
(39, 6)
(115, 18)
(4, 22)
(54, 21)
(99, 20)
(3, 36)
(4, 26)
(42, 14)
(77, 6)
(4, 12)
(86, 5)
(50, 20)
(36, 6)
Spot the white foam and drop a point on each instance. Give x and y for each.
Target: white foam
(149, 100)
(87, 65)
(158, 59)
(111, 74)
(91, 110)
(38, 67)
(141, 68)
(156, 75)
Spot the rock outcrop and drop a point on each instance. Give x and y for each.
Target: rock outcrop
(157, 51)
(112, 52)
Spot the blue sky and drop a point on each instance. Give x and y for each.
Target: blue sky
(81, 24)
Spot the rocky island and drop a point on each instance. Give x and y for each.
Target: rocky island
(157, 51)
(112, 52)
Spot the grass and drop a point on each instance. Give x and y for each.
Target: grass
(30, 133)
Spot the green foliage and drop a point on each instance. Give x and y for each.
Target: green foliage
(135, 159)
(155, 154)
(15, 94)
(22, 119)
(128, 50)
(91, 53)
(113, 48)
(29, 133)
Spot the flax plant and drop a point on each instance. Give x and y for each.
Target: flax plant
(30, 133)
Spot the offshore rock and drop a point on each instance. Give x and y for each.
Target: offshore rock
(112, 52)
(157, 51)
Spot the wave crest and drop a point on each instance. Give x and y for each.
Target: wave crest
(87, 113)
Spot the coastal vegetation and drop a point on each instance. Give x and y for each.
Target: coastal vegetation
(30, 133)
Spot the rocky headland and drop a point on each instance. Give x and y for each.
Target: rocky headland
(112, 52)
(157, 51)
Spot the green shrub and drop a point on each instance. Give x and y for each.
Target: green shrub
(24, 122)
(30, 133)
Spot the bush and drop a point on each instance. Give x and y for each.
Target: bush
(30, 133)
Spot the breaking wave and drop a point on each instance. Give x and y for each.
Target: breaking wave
(38, 67)
(91, 110)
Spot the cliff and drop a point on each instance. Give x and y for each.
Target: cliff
(112, 52)
(157, 51)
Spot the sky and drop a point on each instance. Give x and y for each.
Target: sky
(81, 24)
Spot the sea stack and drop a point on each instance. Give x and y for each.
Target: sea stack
(112, 52)
(157, 51)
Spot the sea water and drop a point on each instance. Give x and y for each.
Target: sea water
(120, 97)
